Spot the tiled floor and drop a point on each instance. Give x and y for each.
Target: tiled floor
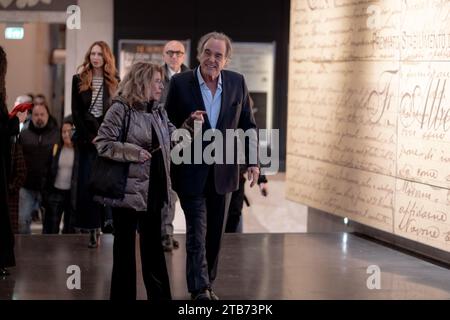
(266, 214)
(273, 259)
(252, 267)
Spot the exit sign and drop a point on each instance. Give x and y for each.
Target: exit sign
(14, 33)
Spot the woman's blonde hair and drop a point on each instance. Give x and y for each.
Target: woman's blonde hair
(137, 82)
(109, 69)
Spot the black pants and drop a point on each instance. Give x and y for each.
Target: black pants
(7, 258)
(205, 223)
(154, 270)
(57, 202)
(88, 212)
(236, 205)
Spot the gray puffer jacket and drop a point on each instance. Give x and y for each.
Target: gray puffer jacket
(139, 137)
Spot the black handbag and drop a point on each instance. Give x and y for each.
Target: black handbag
(109, 177)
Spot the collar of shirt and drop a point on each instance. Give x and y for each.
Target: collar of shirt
(171, 72)
(212, 103)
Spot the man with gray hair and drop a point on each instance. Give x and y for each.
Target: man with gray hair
(205, 189)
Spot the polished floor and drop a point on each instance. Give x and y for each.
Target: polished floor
(252, 266)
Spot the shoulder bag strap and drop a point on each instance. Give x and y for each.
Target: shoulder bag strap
(95, 100)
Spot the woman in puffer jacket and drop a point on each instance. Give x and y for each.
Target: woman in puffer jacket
(147, 149)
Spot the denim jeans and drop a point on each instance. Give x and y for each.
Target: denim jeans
(29, 200)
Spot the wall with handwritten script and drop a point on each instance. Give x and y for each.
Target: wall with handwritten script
(369, 113)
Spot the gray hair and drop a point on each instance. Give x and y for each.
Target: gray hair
(217, 36)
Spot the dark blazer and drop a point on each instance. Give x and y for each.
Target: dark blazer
(85, 123)
(167, 81)
(185, 97)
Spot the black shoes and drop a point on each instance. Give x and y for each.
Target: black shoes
(93, 239)
(169, 243)
(4, 272)
(213, 295)
(201, 295)
(207, 294)
(108, 227)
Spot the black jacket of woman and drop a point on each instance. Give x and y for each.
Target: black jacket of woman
(88, 214)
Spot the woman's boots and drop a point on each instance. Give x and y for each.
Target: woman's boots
(94, 237)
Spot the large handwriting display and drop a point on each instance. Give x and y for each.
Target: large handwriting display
(369, 113)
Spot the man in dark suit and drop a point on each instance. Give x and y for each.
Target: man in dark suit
(173, 54)
(205, 189)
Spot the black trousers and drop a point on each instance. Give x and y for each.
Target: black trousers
(88, 214)
(154, 270)
(205, 223)
(7, 257)
(57, 202)
(236, 205)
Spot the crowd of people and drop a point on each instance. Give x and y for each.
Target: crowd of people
(49, 168)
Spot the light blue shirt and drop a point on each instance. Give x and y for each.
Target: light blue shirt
(212, 104)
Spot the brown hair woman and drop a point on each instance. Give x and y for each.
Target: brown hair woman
(92, 88)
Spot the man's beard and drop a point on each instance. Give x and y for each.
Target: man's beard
(39, 124)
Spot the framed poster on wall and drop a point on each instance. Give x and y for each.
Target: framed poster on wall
(131, 51)
(256, 61)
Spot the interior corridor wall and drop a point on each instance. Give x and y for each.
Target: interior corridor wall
(369, 114)
(29, 70)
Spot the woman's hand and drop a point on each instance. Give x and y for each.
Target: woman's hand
(144, 156)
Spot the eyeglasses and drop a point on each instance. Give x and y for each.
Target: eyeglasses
(170, 53)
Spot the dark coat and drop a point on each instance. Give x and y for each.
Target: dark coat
(17, 179)
(8, 128)
(184, 97)
(167, 81)
(88, 213)
(85, 123)
(37, 145)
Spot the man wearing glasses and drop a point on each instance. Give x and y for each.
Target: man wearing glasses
(173, 55)
(173, 63)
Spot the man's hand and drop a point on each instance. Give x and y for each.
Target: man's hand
(253, 175)
(264, 189)
(198, 116)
